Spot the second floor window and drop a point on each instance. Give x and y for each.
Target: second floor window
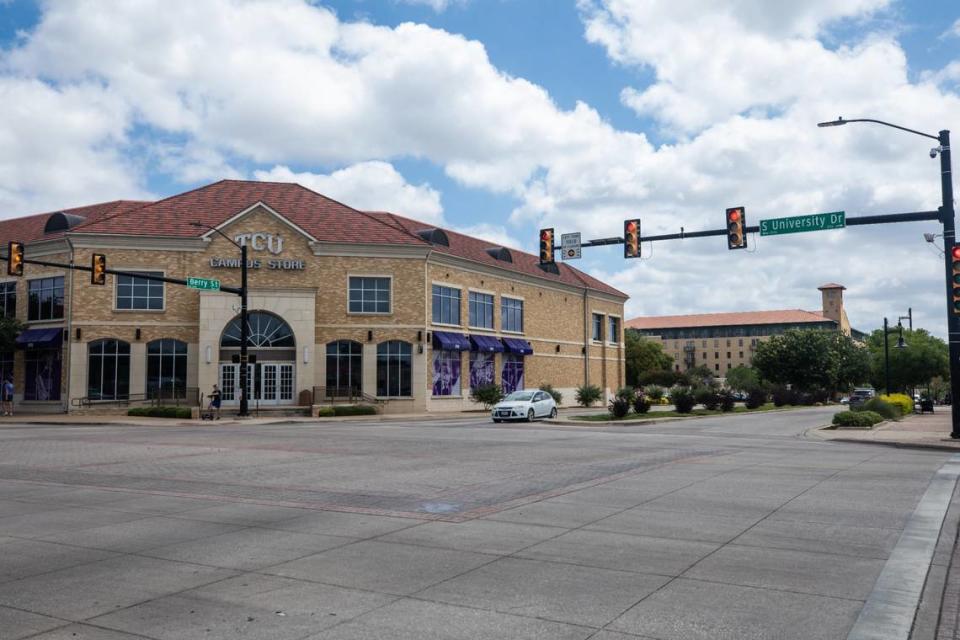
(481, 310)
(597, 327)
(8, 299)
(446, 305)
(511, 315)
(45, 299)
(369, 295)
(140, 294)
(614, 335)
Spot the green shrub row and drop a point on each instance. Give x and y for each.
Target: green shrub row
(884, 408)
(354, 410)
(900, 400)
(857, 418)
(160, 412)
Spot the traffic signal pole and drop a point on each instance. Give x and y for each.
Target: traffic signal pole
(949, 241)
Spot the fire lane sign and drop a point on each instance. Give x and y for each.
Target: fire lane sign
(800, 224)
(203, 283)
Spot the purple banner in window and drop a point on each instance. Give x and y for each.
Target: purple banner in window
(446, 373)
(512, 373)
(481, 369)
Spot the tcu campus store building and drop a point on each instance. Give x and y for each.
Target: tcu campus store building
(342, 304)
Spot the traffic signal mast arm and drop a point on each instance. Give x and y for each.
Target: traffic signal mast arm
(916, 216)
(141, 276)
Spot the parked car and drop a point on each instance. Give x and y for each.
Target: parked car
(527, 404)
(845, 400)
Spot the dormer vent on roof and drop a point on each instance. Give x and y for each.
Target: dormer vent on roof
(61, 221)
(435, 236)
(550, 267)
(500, 253)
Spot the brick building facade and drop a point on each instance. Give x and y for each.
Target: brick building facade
(343, 304)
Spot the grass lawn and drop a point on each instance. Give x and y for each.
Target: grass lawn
(653, 415)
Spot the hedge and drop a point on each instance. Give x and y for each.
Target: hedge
(160, 412)
(325, 412)
(856, 418)
(354, 410)
(884, 408)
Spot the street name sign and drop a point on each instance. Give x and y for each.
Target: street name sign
(570, 246)
(203, 283)
(800, 224)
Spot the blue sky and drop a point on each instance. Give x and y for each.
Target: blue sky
(684, 109)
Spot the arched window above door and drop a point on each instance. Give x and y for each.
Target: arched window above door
(264, 330)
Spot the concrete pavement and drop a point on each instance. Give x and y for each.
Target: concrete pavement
(715, 528)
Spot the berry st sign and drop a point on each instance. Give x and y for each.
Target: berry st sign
(203, 283)
(799, 224)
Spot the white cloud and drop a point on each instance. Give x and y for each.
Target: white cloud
(437, 5)
(369, 186)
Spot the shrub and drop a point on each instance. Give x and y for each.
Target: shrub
(487, 394)
(683, 399)
(626, 393)
(556, 395)
(354, 410)
(325, 412)
(900, 400)
(654, 392)
(662, 377)
(641, 404)
(161, 412)
(884, 408)
(587, 394)
(707, 397)
(783, 396)
(619, 407)
(856, 418)
(803, 398)
(727, 401)
(756, 398)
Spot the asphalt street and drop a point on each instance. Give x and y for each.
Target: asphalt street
(731, 527)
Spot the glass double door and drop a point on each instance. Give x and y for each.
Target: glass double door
(267, 383)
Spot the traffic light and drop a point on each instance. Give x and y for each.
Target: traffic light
(736, 228)
(15, 258)
(631, 238)
(546, 246)
(955, 265)
(98, 269)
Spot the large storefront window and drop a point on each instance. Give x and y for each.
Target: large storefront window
(108, 373)
(481, 369)
(8, 299)
(512, 378)
(138, 293)
(394, 369)
(166, 368)
(344, 367)
(42, 374)
(446, 373)
(45, 298)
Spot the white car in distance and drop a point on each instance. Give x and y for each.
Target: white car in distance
(527, 404)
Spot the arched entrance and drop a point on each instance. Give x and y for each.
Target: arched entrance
(273, 355)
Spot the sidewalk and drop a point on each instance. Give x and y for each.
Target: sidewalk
(930, 431)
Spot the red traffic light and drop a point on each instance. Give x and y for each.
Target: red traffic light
(546, 246)
(734, 215)
(736, 228)
(631, 227)
(956, 252)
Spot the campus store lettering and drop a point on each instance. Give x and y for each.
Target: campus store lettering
(235, 263)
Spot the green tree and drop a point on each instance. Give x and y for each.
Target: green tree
(10, 328)
(743, 378)
(811, 360)
(643, 355)
(924, 358)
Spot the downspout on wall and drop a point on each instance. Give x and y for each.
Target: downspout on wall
(586, 339)
(67, 359)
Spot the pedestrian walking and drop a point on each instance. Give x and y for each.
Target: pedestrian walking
(215, 401)
(8, 396)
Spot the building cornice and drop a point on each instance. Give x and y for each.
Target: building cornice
(343, 249)
(445, 259)
(144, 243)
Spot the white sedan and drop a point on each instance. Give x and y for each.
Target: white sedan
(525, 405)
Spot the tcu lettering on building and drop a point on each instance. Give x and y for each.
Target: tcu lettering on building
(344, 306)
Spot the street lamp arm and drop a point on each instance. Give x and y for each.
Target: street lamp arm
(840, 121)
(214, 229)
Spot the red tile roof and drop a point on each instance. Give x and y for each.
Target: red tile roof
(475, 249)
(30, 228)
(831, 285)
(323, 218)
(725, 319)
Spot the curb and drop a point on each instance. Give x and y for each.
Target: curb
(730, 414)
(814, 433)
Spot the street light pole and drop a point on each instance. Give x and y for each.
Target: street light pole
(949, 240)
(244, 329)
(886, 359)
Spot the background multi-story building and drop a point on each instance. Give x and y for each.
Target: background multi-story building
(343, 303)
(721, 341)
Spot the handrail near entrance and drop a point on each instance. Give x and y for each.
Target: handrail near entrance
(154, 398)
(346, 395)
